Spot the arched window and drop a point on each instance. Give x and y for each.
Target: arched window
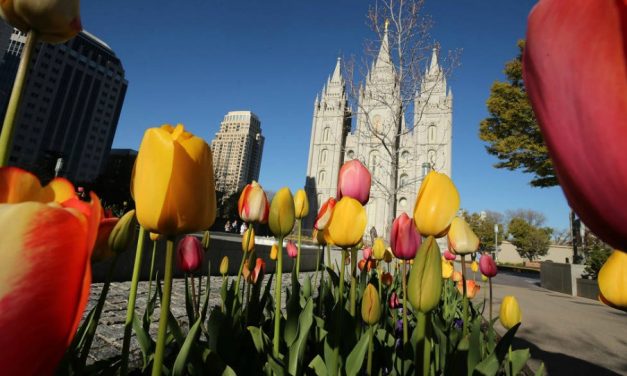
(405, 155)
(321, 177)
(373, 160)
(323, 156)
(319, 199)
(325, 134)
(403, 180)
(350, 154)
(402, 203)
(431, 133)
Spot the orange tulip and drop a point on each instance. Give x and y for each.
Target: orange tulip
(324, 214)
(258, 271)
(472, 288)
(253, 204)
(457, 276)
(45, 273)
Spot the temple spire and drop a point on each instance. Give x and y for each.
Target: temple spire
(434, 66)
(384, 53)
(337, 72)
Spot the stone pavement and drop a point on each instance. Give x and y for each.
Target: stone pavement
(571, 335)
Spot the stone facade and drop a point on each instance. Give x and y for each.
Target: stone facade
(425, 144)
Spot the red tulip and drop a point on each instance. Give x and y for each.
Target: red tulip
(404, 239)
(367, 253)
(45, 272)
(354, 181)
(253, 205)
(361, 264)
(574, 71)
(449, 255)
(487, 266)
(291, 249)
(259, 270)
(386, 279)
(394, 302)
(189, 254)
(324, 214)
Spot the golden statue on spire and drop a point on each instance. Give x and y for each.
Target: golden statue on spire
(387, 22)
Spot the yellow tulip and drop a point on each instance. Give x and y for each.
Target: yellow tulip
(274, 251)
(154, 236)
(436, 205)
(370, 305)
(378, 249)
(474, 266)
(55, 21)
(281, 217)
(318, 237)
(447, 269)
(248, 240)
(206, 238)
(613, 280)
(224, 265)
(484, 278)
(425, 278)
(461, 238)
(347, 223)
(510, 312)
(172, 182)
(123, 234)
(301, 204)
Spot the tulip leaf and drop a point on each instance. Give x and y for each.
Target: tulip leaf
(275, 366)
(330, 358)
(488, 367)
(474, 350)
(180, 364)
(355, 359)
(175, 329)
(146, 344)
(216, 322)
(260, 339)
(334, 277)
(293, 312)
(189, 301)
(205, 303)
(307, 287)
(297, 349)
(517, 360)
(318, 366)
(540, 371)
(491, 364)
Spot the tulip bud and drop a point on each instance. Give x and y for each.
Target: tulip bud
(472, 288)
(404, 238)
(248, 240)
(102, 251)
(291, 249)
(474, 266)
(54, 21)
(205, 240)
(510, 312)
(447, 269)
(258, 271)
(224, 265)
(449, 256)
(348, 223)
(252, 205)
(487, 266)
(387, 279)
(123, 234)
(281, 218)
(436, 204)
(361, 265)
(324, 214)
(457, 276)
(613, 280)
(370, 305)
(155, 237)
(378, 249)
(394, 301)
(274, 251)
(424, 285)
(318, 237)
(388, 256)
(484, 278)
(354, 181)
(189, 254)
(245, 270)
(301, 204)
(461, 238)
(367, 253)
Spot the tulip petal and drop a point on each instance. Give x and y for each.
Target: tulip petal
(574, 68)
(58, 190)
(17, 185)
(44, 285)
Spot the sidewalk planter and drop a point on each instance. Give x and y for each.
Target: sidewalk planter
(588, 288)
(560, 277)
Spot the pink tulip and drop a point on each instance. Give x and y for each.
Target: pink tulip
(487, 266)
(449, 255)
(394, 302)
(324, 214)
(404, 239)
(574, 70)
(292, 251)
(189, 254)
(354, 181)
(367, 253)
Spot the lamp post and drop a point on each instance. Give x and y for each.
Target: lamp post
(496, 242)
(58, 167)
(426, 167)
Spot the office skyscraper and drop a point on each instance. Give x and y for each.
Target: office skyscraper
(237, 150)
(70, 106)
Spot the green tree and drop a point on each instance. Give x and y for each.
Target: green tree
(596, 253)
(483, 226)
(531, 240)
(512, 131)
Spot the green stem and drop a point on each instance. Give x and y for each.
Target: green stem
(91, 330)
(328, 264)
(277, 294)
(8, 126)
(165, 308)
(464, 297)
(370, 349)
(130, 309)
(317, 280)
(191, 279)
(241, 265)
(298, 254)
(490, 282)
(405, 334)
(423, 344)
(342, 267)
(353, 296)
(152, 268)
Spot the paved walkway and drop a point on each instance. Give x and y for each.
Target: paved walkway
(571, 335)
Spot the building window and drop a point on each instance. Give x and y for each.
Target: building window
(431, 157)
(403, 180)
(431, 132)
(373, 160)
(350, 154)
(402, 203)
(325, 134)
(321, 177)
(323, 156)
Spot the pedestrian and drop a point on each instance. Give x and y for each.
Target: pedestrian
(227, 226)
(234, 226)
(243, 229)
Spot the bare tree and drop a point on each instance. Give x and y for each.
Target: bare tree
(404, 42)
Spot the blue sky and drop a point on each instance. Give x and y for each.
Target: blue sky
(192, 61)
